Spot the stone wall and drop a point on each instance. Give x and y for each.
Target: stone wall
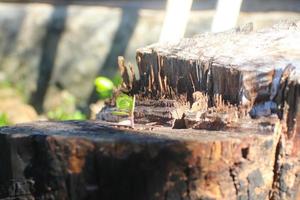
(46, 48)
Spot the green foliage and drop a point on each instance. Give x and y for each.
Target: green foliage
(124, 103)
(5, 84)
(17, 89)
(61, 115)
(117, 80)
(66, 110)
(104, 87)
(4, 120)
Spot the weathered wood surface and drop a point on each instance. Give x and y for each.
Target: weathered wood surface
(258, 73)
(240, 65)
(91, 160)
(244, 67)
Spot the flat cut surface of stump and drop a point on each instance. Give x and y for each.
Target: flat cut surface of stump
(92, 160)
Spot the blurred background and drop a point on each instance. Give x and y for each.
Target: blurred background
(52, 51)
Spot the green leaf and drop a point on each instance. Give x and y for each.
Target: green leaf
(124, 103)
(120, 113)
(62, 115)
(104, 86)
(105, 95)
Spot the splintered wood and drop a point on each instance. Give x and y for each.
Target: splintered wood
(236, 81)
(250, 71)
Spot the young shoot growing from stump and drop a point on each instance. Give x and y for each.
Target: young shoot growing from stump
(125, 107)
(124, 103)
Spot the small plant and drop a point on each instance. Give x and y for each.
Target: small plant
(4, 120)
(104, 87)
(124, 103)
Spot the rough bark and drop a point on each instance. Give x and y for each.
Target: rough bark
(91, 160)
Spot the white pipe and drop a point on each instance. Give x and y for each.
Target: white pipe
(226, 16)
(176, 19)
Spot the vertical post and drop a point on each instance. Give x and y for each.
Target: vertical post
(176, 19)
(226, 16)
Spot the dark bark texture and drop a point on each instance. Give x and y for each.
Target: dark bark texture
(91, 160)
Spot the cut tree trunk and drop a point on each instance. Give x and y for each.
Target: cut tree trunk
(89, 160)
(216, 118)
(251, 74)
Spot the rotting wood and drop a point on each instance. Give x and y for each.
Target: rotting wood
(252, 74)
(248, 70)
(92, 160)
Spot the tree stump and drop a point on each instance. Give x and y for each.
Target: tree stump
(216, 119)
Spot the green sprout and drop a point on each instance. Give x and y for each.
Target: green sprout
(4, 120)
(104, 87)
(124, 103)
